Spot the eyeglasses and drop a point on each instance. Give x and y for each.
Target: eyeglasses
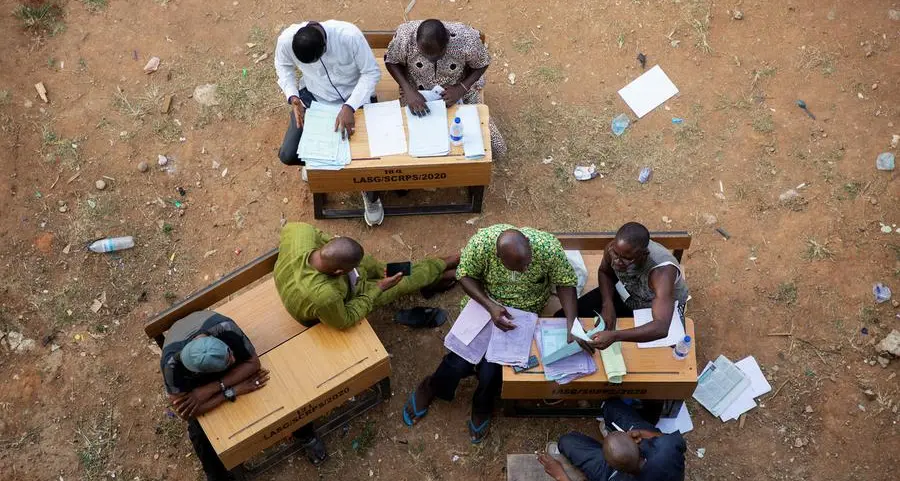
(616, 257)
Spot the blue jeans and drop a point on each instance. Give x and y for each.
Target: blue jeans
(586, 453)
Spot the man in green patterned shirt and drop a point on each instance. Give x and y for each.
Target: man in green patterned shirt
(501, 266)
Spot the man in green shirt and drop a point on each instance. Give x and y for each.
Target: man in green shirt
(501, 266)
(332, 280)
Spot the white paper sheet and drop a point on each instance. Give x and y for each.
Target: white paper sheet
(513, 347)
(475, 350)
(384, 125)
(682, 422)
(470, 322)
(320, 146)
(429, 136)
(676, 329)
(758, 386)
(473, 141)
(648, 91)
(720, 385)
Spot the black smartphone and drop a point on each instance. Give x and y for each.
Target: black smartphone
(532, 362)
(402, 267)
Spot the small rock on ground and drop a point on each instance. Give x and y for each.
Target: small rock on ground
(143, 167)
(890, 345)
(100, 184)
(205, 95)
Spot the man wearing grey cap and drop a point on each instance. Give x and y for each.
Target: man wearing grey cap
(207, 360)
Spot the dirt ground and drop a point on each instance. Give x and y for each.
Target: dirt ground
(86, 400)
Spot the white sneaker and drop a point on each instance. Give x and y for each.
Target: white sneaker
(374, 214)
(303, 174)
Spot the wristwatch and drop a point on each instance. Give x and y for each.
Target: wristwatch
(229, 394)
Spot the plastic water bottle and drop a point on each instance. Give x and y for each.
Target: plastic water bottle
(619, 124)
(645, 175)
(682, 348)
(456, 132)
(112, 244)
(885, 161)
(881, 292)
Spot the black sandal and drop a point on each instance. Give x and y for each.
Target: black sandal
(315, 451)
(421, 317)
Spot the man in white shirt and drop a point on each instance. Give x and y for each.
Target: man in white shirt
(337, 66)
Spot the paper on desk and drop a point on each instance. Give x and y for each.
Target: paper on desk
(614, 363)
(720, 385)
(473, 141)
(470, 322)
(682, 422)
(513, 347)
(648, 91)
(384, 126)
(758, 386)
(433, 94)
(475, 350)
(429, 136)
(676, 329)
(320, 146)
(578, 329)
(567, 369)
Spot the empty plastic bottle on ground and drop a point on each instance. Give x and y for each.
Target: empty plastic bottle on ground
(112, 244)
(682, 348)
(456, 132)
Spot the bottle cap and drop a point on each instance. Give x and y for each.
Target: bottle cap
(456, 120)
(687, 338)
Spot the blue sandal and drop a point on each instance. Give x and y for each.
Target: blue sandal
(477, 434)
(416, 413)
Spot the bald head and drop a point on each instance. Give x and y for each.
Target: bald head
(340, 255)
(622, 453)
(635, 235)
(514, 250)
(432, 38)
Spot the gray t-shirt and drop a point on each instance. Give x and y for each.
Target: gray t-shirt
(637, 280)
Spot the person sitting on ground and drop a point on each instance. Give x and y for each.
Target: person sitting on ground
(645, 275)
(337, 66)
(332, 280)
(640, 453)
(501, 266)
(206, 361)
(429, 53)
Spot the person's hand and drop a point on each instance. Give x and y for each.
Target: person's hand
(345, 122)
(252, 383)
(452, 93)
(603, 339)
(552, 467)
(570, 338)
(416, 103)
(389, 282)
(501, 318)
(299, 111)
(186, 404)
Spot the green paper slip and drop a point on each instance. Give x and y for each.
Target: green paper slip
(614, 363)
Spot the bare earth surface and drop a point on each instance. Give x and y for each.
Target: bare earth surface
(94, 408)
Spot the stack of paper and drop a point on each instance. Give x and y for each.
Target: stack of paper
(384, 126)
(676, 328)
(429, 136)
(320, 146)
(551, 336)
(727, 390)
(681, 423)
(513, 347)
(473, 336)
(613, 361)
(473, 141)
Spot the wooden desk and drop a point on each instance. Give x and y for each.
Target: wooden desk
(652, 374)
(402, 172)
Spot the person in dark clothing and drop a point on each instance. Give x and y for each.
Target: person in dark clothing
(640, 453)
(207, 360)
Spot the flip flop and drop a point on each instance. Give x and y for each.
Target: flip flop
(421, 317)
(416, 413)
(477, 434)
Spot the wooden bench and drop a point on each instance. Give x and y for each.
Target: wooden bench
(314, 372)
(401, 172)
(652, 373)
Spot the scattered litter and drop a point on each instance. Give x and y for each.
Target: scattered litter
(724, 233)
(162, 160)
(886, 229)
(808, 409)
(261, 58)
(864, 331)
(548, 160)
(512, 78)
(885, 161)
(285, 200)
(895, 141)
(409, 7)
(643, 60)
(112, 244)
(709, 219)
(225, 172)
(737, 15)
(881, 292)
(677, 120)
(473, 220)
(181, 191)
(237, 251)
(701, 452)
(586, 172)
(648, 91)
(666, 219)
(251, 45)
(455, 458)
(645, 175)
(42, 91)
(216, 165)
(619, 124)
(152, 65)
(802, 106)
(67, 249)
(100, 184)
(96, 306)
(210, 253)
(788, 195)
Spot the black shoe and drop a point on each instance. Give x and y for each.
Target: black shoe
(315, 451)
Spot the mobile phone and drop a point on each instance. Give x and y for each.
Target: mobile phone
(402, 267)
(532, 363)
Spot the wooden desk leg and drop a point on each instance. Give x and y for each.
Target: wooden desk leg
(319, 205)
(477, 194)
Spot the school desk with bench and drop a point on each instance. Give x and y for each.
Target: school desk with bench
(652, 373)
(402, 172)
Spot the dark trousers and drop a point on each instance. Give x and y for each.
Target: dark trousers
(288, 151)
(586, 453)
(453, 369)
(591, 304)
(212, 465)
